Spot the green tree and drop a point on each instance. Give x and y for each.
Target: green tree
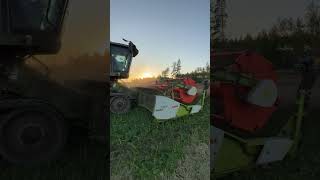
(165, 73)
(312, 17)
(178, 67)
(207, 67)
(174, 69)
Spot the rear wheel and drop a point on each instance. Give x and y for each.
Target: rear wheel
(31, 135)
(120, 104)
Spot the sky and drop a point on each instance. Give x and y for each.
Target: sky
(248, 16)
(163, 31)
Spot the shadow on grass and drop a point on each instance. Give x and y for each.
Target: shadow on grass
(82, 159)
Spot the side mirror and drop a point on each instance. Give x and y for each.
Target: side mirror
(134, 49)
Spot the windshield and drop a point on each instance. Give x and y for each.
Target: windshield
(31, 15)
(121, 58)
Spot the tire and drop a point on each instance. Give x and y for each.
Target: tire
(120, 104)
(32, 134)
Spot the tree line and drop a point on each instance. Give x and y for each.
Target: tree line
(199, 74)
(284, 42)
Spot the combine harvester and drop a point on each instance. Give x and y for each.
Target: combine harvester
(249, 127)
(36, 111)
(170, 99)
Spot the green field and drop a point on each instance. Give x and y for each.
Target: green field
(142, 148)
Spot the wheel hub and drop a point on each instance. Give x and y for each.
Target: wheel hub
(31, 134)
(120, 105)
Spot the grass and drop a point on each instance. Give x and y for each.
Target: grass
(141, 148)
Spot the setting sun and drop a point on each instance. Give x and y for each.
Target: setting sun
(146, 75)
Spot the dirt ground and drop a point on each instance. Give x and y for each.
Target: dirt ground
(195, 164)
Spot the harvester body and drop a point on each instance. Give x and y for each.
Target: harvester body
(35, 108)
(165, 104)
(247, 126)
(247, 105)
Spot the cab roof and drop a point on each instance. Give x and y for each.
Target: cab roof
(119, 44)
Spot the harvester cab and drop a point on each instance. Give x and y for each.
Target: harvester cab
(30, 27)
(121, 58)
(27, 28)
